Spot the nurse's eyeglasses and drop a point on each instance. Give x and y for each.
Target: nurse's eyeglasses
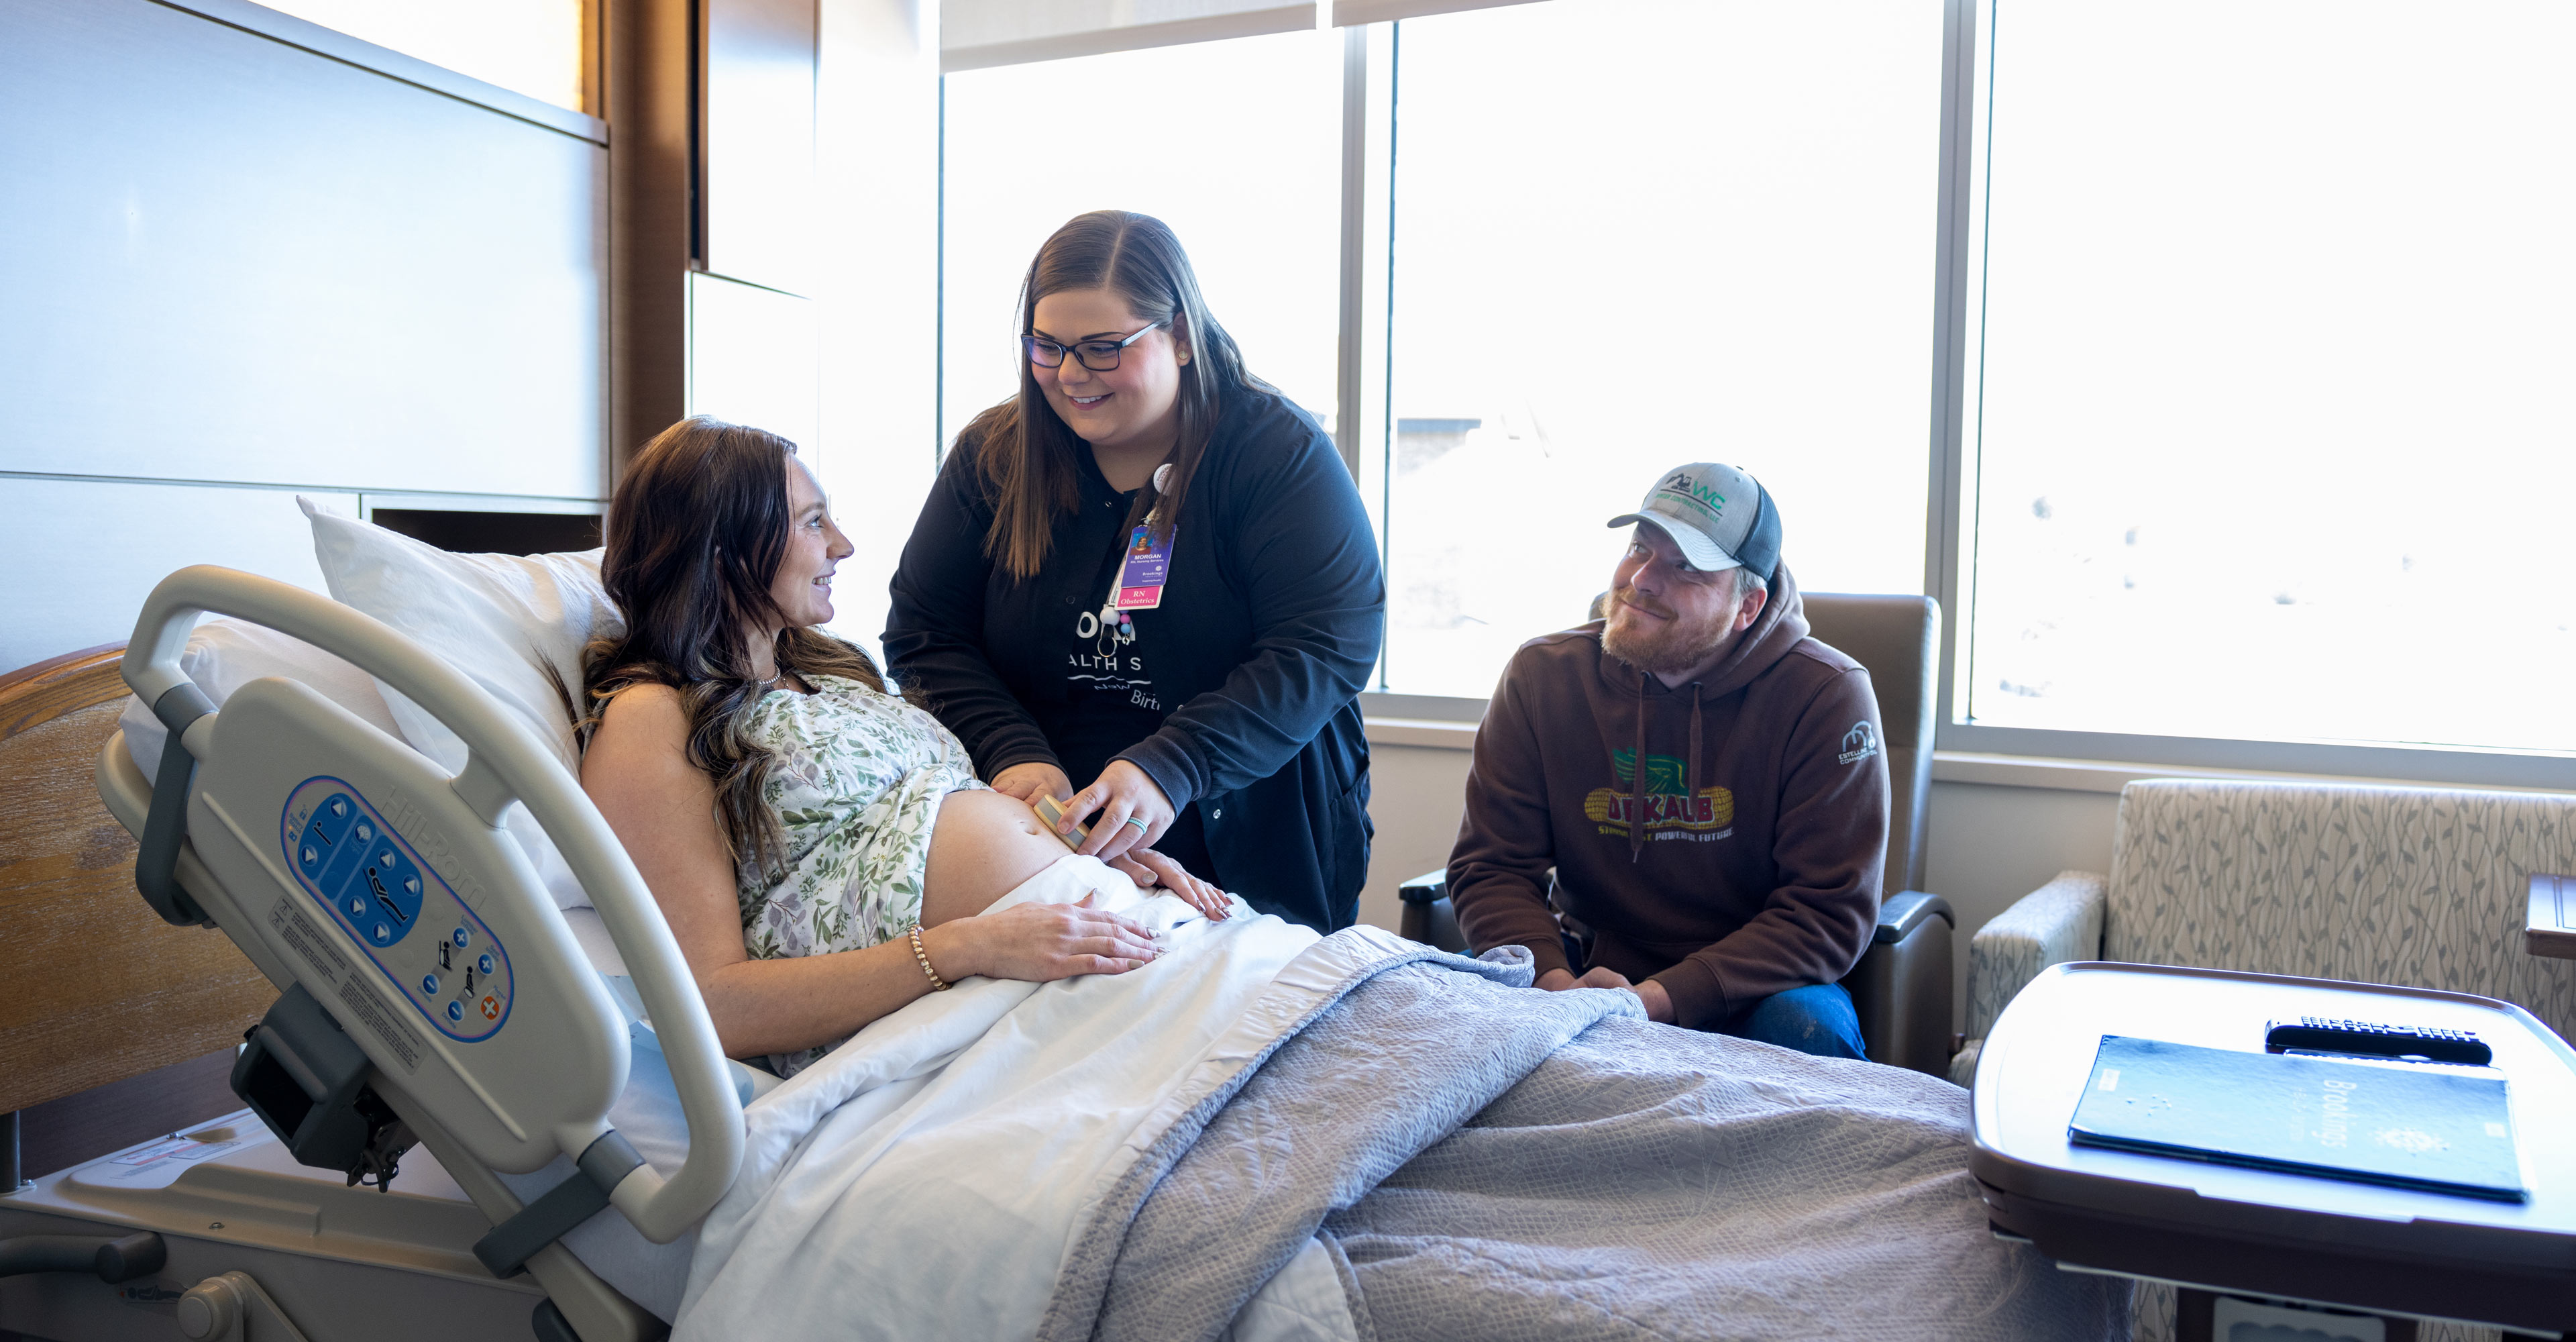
(1100, 356)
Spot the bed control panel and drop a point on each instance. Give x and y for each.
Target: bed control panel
(438, 954)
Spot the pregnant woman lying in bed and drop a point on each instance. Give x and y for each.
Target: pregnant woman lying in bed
(818, 845)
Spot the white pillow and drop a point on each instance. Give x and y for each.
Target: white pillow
(504, 621)
(224, 655)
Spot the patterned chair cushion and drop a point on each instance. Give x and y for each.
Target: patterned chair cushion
(2058, 922)
(2409, 886)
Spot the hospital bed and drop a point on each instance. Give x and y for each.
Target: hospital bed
(473, 1110)
(478, 1111)
(349, 868)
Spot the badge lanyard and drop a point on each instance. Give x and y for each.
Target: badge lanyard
(1143, 568)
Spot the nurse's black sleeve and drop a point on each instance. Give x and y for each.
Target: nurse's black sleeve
(1317, 600)
(934, 635)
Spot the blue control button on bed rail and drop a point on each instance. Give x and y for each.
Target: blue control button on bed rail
(378, 888)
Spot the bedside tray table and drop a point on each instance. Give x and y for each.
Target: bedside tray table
(2223, 1228)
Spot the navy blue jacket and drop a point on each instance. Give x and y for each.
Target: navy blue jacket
(1267, 632)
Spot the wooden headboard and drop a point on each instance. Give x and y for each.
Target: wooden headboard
(101, 988)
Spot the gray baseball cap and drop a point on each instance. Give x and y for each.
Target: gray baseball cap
(1719, 516)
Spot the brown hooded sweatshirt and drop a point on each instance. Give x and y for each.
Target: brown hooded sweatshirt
(1742, 860)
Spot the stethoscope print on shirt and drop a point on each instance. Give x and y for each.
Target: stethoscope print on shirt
(1112, 666)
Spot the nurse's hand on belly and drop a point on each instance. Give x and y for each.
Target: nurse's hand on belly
(1133, 812)
(1033, 780)
(984, 845)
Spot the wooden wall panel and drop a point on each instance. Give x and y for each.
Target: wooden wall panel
(649, 101)
(230, 258)
(103, 988)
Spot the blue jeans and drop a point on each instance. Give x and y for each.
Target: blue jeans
(1816, 1019)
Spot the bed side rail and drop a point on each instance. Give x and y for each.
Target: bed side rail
(504, 765)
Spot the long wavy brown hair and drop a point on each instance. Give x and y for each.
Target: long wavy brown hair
(695, 535)
(1025, 452)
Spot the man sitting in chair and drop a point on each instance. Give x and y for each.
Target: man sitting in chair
(1704, 778)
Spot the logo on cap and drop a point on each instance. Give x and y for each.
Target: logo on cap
(1690, 491)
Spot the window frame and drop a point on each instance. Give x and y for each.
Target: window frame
(1951, 528)
(1368, 240)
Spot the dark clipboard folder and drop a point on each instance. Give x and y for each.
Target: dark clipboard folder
(2394, 1125)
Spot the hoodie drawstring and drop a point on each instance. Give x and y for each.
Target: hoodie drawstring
(1690, 773)
(1637, 780)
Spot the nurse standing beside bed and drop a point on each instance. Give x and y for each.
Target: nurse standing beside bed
(818, 845)
(1149, 574)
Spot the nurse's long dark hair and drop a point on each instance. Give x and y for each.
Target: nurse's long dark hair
(1025, 452)
(696, 532)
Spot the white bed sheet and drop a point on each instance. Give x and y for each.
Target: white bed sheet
(926, 1079)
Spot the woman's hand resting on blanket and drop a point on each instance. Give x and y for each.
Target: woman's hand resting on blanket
(1038, 943)
(1149, 868)
(1659, 1004)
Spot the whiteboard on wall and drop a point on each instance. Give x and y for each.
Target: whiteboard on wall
(232, 258)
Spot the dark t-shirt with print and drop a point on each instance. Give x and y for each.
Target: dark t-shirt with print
(1110, 702)
(1269, 629)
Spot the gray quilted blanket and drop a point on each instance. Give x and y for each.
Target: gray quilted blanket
(1484, 1161)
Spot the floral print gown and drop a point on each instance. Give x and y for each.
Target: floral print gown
(856, 784)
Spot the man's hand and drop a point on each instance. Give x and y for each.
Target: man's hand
(1659, 1004)
(1558, 980)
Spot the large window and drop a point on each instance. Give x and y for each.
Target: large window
(2209, 359)
(1630, 234)
(2273, 436)
(1236, 145)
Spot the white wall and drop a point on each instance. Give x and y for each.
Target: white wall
(876, 149)
(1416, 794)
(1991, 844)
(86, 552)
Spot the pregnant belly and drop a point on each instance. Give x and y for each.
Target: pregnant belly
(982, 847)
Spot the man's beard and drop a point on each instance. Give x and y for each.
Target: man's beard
(1670, 647)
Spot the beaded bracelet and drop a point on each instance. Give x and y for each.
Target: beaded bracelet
(937, 984)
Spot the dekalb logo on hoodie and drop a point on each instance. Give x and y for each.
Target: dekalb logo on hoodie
(1669, 812)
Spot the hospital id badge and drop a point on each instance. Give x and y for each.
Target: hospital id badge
(1141, 573)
